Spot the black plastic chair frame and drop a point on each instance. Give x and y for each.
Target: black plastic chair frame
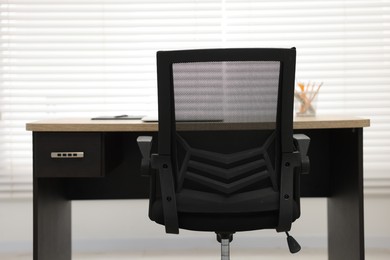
(292, 149)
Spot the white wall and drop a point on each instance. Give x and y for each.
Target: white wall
(123, 225)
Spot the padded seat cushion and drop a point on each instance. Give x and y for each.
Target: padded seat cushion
(215, 215)
(251, 201)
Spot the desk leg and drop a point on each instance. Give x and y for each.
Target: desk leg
(345, 205)
(52, 221)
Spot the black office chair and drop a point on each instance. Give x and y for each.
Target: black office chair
(227, 160)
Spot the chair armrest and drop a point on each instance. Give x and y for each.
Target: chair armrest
(145, 146)
(302, 143)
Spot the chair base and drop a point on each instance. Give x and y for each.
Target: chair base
(226, 238)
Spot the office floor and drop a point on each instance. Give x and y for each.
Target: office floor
(308, 254)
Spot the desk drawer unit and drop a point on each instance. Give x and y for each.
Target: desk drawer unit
(68, 154)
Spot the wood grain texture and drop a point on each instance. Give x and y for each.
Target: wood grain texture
(87, 125)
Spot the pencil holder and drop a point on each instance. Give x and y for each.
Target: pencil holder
(306, 96)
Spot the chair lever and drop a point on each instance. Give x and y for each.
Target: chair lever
(145, 146)
(293, 245)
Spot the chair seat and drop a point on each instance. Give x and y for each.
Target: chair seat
(242, 212)
(192, 201)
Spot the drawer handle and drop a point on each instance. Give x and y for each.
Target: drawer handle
(67, 155)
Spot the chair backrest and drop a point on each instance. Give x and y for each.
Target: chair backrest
(225, 119)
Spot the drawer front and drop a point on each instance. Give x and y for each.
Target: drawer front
(68, 154)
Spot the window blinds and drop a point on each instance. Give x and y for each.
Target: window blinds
(87, 58)
(345, 44)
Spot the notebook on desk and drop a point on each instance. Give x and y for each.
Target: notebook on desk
(119, 117)
(155, 119)
(150, 118)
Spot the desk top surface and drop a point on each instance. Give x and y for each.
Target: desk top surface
(87, 125)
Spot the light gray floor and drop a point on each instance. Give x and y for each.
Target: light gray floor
(268, 254)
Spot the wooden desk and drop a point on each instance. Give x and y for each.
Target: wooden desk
(110, 170)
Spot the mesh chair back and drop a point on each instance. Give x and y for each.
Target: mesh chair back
(221, 93)
(227, 91)
(225, 116)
